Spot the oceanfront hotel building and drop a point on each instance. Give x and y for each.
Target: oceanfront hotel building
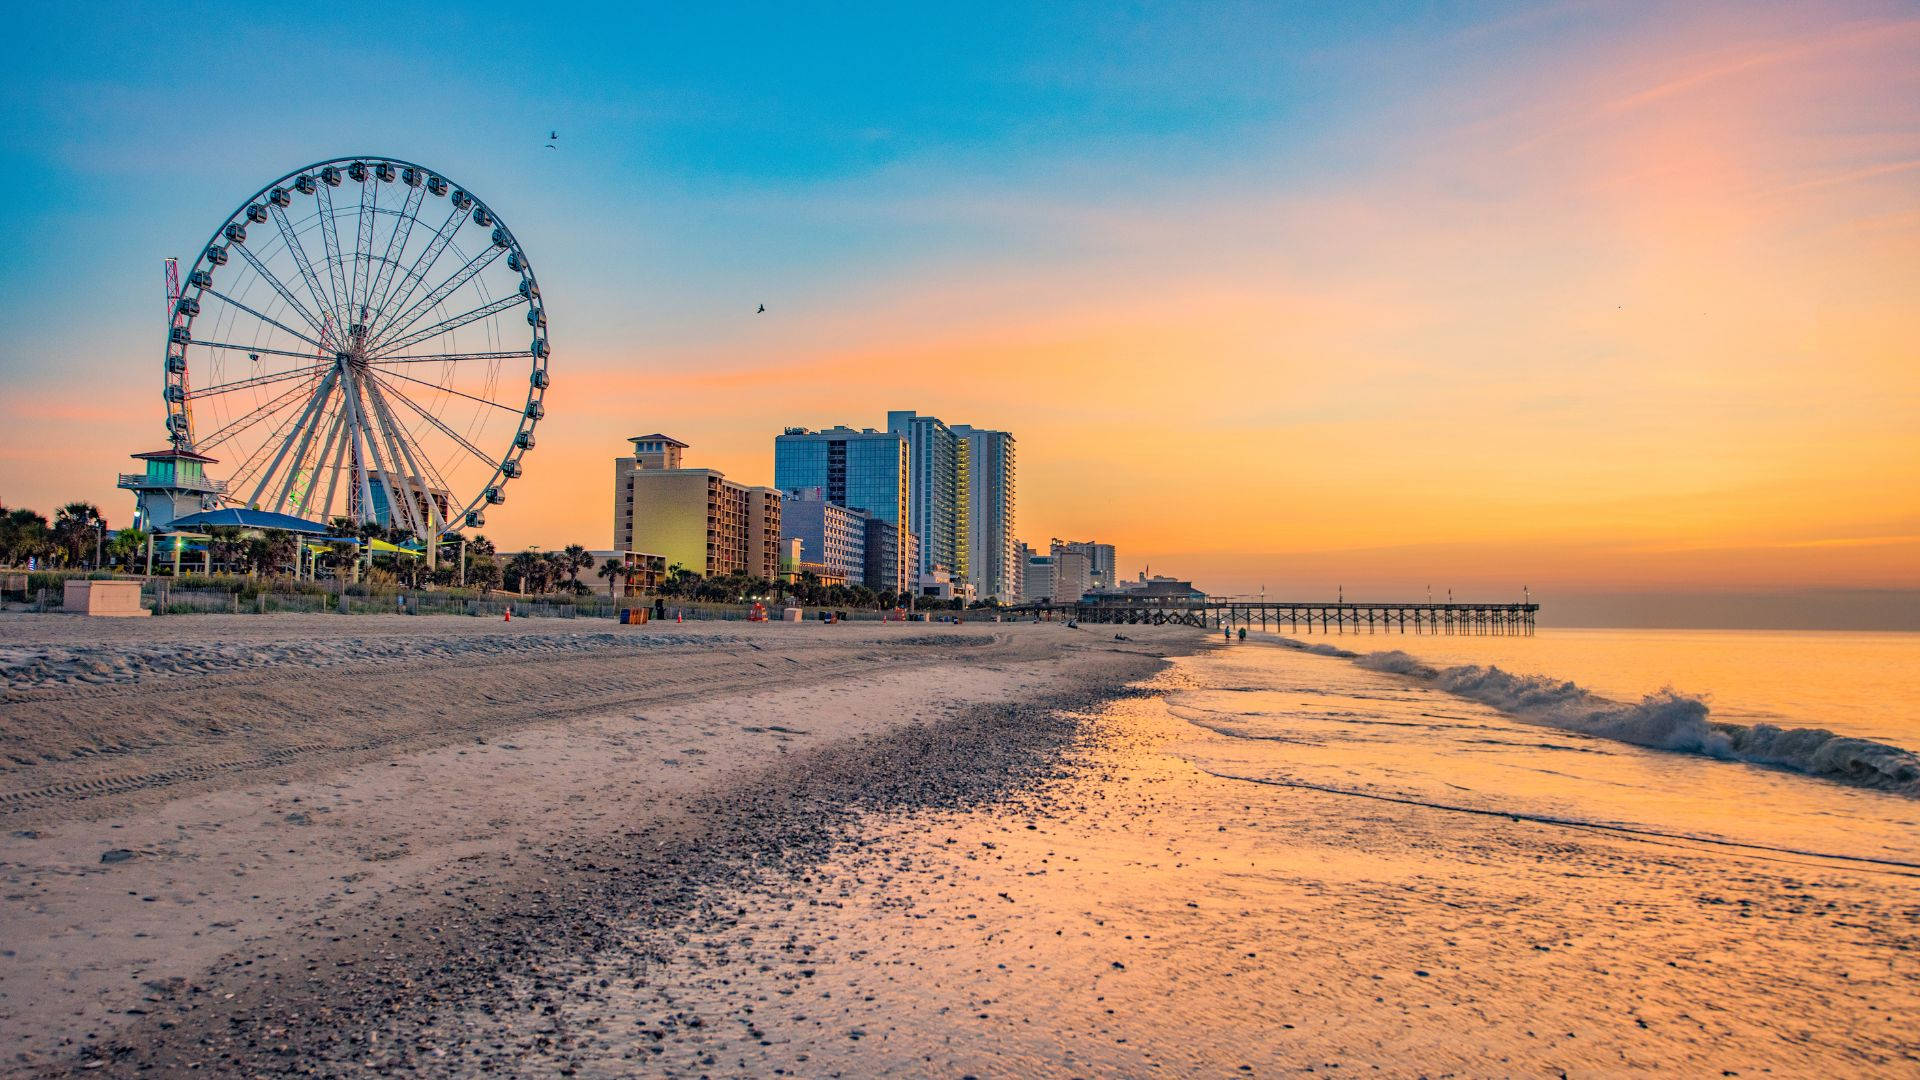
(922, 507)
(863, 470)
(948, 490)
(939, 494)
(993, 551)
(693, 518)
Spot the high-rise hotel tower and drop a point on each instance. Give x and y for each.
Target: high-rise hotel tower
(993, 553)
(861, 470)
(938, 492)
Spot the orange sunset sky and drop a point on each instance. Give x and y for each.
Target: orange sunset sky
(1583, 297)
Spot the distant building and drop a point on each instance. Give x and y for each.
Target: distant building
(1100, 561)
(938, 584)
(694, 518)
(1036, 583)
(993, 554)
(886, 557)
(863, 470)
(830, 535)
(938, 491)
(1072, 572)
(789, 555)
(641, 574)
(1146, 590)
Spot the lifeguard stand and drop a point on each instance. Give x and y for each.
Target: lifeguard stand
(174, 485)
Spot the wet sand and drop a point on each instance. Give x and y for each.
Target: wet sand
(312, 809)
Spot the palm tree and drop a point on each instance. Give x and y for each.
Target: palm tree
(558, 564)
(480, 553)
(124, 547)
(281, 549)
(23, 535)
(484, 576)
(575, 559)
(78, 526)
(681, 582)
(523, 568)
(612, 570)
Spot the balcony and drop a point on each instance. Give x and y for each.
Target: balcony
(141, 481)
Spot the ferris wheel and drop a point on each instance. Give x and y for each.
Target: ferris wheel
(361, 338)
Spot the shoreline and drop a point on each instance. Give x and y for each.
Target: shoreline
(319, 863)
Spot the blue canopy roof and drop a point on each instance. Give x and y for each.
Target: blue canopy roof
(247, 519)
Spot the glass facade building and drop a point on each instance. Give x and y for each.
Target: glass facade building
(938, 492)
(993, 552)
(859, 469)
(830, 535)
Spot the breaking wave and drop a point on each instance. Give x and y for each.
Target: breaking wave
(1666, 720)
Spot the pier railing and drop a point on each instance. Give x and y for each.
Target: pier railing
(1506, 620)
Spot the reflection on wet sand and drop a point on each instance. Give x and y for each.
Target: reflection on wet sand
(1140, 914)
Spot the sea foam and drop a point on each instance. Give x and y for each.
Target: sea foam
(1666, 720)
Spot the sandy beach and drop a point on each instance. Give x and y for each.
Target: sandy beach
(324, 846)
(201, 813)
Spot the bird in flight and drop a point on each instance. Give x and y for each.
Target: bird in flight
(553, 137)
(762, 310)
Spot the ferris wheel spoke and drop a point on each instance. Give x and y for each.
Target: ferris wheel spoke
(330, 236)
(257, 380)
(415, 477)
(305, 264)
(323, 420)
(451, 390)
(430, 471)
(260, 349)
(244, 422)
(400, 323)
(339, 459)
(442, 358)
(303, 429)
(255, 460)
(505, 303)
(366, 449)
(280, 287)
(409, 282)
(269, 320)
(458, 439)
(396, 247)
(363, 250)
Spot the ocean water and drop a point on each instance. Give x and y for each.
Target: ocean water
(1864, 684)
(1801, 741)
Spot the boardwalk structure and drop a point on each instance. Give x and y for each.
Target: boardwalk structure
(1505, 620)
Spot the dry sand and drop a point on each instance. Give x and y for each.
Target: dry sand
(220, 832)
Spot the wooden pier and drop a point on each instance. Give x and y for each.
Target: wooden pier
(1501, 620)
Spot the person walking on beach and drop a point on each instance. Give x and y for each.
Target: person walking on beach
(1243, 633)
(1226, 634)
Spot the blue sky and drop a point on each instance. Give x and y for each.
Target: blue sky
(1308, 224)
